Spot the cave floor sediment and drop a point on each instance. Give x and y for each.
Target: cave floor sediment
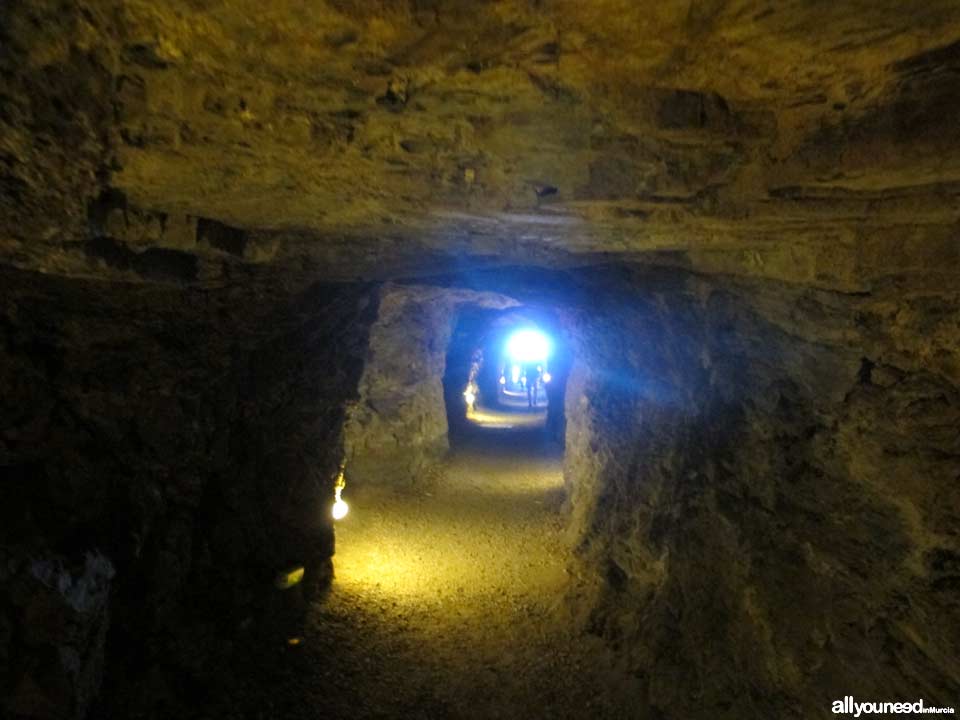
(448, 601)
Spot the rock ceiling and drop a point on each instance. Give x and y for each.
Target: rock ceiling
(808, 141)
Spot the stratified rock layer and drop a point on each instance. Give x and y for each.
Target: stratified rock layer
(742, 136)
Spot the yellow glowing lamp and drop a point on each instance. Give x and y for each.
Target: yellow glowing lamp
(470, 397)
(340, 508)
(546, 377)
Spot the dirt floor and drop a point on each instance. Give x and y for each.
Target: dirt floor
(448, 600)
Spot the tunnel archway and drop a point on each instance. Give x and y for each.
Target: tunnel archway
(482, 381)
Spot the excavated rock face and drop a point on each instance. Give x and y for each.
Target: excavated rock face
(750, 211)
(59, 617)
(191, 437)
(763, 493)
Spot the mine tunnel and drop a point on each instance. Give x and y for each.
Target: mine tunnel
(505, 370)
(517, 359)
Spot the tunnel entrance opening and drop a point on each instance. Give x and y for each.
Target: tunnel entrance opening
(504, 378)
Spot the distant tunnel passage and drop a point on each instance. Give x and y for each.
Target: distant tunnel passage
(506, 369)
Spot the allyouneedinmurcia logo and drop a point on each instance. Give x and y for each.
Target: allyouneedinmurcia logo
(849, 706)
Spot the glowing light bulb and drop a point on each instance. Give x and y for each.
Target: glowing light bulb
(340, 508)
(546, 377)
(503, 380)
(469, 397)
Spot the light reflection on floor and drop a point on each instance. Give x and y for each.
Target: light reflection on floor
(488, 524)
(507, 420)
(513, 413)
(448, 596)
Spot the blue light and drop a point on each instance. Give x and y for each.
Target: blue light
(527, 346)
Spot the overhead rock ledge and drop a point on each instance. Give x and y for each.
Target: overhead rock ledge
(678, 135)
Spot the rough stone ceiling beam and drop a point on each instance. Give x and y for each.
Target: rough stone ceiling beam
(337, 134)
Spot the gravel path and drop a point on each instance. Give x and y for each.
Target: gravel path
(448, 602)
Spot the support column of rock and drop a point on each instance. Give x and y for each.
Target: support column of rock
(398, 425)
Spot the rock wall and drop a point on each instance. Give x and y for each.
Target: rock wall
(52, 633)
(763, 492)
(399, 424)
(188, 436)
